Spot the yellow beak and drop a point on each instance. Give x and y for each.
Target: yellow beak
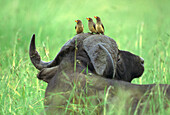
(87, 18)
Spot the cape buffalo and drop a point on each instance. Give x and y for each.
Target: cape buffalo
(94, 67)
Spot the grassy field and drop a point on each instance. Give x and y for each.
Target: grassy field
(141, 27)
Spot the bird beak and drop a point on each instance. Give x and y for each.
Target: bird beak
(95, 16)
(87, 18)
(76, 21)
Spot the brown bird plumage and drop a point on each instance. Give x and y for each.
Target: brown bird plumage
(91, 25)
(79, 26)
(99, 25)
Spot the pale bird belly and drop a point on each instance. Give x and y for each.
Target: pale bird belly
(91, 28)
(99, 28)
(80, 29)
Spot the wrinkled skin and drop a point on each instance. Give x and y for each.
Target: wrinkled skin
(108, 68)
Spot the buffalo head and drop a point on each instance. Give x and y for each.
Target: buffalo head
(98, 53)
(129, 66)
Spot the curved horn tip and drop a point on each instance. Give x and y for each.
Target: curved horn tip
(33, 37)
(32, 44)
(34, 56)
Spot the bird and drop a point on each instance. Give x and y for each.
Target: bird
(99, 25)
(91, 25)
(79, 26)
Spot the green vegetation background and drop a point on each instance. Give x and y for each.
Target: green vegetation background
(141, 27)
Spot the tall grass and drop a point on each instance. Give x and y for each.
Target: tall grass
(141, 27)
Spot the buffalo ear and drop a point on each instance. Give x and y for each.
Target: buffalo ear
(47, 74)
(100, 57)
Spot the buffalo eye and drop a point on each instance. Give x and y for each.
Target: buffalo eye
(141, 60)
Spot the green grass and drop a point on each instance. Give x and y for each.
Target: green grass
(141, 27)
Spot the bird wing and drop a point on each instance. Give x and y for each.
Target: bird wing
(102, 26)
(75, 27)
(94, 25)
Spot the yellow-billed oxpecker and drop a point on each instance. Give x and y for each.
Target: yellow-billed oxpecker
(99, 25)
(79, 26)
(91, 25)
